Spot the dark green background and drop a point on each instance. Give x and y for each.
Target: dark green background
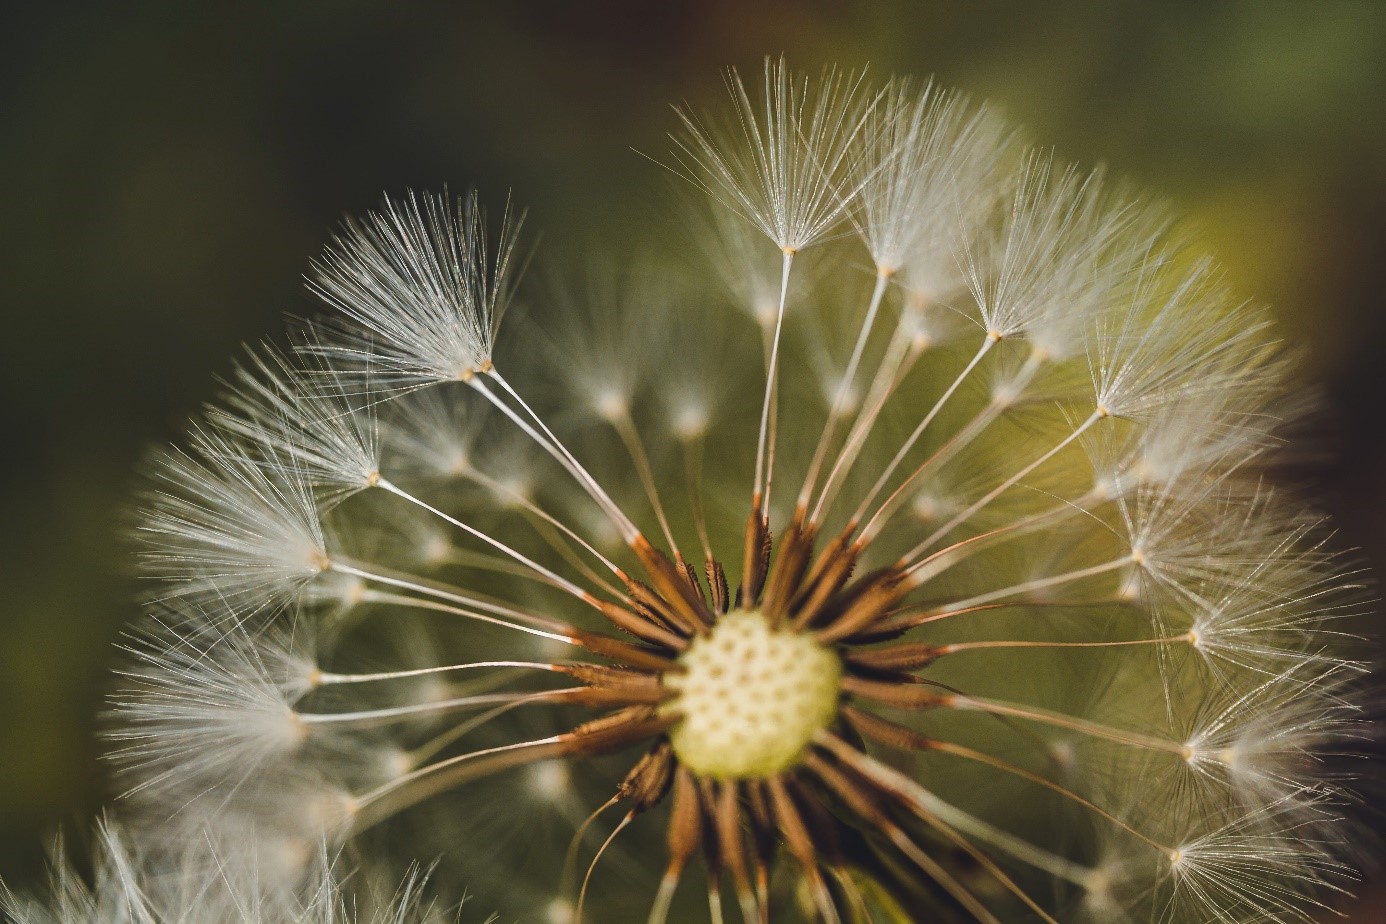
(169, 169)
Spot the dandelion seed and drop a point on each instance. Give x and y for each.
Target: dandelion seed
(315, 424)
(928, 181)
(423, 285)
(136, 882)
(783, 161)
(219, 525)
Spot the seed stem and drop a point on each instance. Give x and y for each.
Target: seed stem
(1071, 723)
(516, 497)
(394, 713)
(324, 678)
(526, 622)
(1185, 638)
(1052, 580)
(923, 425)
(761, 486)
(955, 444)
(418, 785)
(901, 355)
(554, 447)
(1030, 854)
(548, 575)
(843, 388)
(630, 436)
(997, 491)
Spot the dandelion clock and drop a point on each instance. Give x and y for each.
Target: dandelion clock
(895, 546)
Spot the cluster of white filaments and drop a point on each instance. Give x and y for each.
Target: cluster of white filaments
(915, 558)
(138, 880)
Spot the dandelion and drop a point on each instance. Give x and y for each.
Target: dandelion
(136, 883)
(1028, 637)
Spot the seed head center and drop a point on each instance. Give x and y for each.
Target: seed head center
(752, 697)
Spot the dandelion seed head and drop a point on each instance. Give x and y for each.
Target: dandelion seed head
(428, 435)
(551, 780)
(221, 526)
(420, 289)
(204, 707)
(782, 163)
(560, 911)
(690, 421)
(311, 423)
(952, 534)
(136, 880)
(928, 172)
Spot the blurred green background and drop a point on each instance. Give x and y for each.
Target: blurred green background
(169, 169)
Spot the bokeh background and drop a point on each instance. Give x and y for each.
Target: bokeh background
(168, 169)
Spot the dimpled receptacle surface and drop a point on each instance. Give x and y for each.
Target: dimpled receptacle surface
(752, 697)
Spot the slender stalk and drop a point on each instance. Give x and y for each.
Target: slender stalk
(418, 785)
(1005, 766)
(587, 879)
(714, 903)
(1022, 850)
(562, 632)
(485, 561)
(630, 436)
(551, 444)
(910, 618)
(569, 870)
(693, 469)
(550, 576)
(955, 444)
(843, 389)
(982, 860)
(1184, 638)
(1001, 488)
(923, 425)
(664, 898)
(394, 713)
(901, 355)
(324, 678)
(492, 484)
(1070, 723)
(437, 743)
(1052, 580)
(965, 548)
(565, 551)
(771, 375)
